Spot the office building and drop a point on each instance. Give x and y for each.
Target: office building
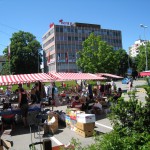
(62, 42)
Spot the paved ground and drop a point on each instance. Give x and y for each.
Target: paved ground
(22, 137)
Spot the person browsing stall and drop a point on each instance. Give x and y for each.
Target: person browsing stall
(7, 92)
(76, 103)
(23, 104)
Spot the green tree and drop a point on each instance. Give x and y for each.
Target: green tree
(5, 70)
(96, 56)
(123, 61)
(24, 53)
(140, 60)
(131, 124)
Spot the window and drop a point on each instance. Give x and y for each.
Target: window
(76, 38)
(61, 29)
(69, 38)
(57, 29)
(65, 30)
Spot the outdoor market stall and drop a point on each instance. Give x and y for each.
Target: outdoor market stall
(144, 73)
(75, 76)
(108, 75)
(25, 78)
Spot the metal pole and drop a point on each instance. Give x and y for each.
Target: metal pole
(146, 67)
(38, 61)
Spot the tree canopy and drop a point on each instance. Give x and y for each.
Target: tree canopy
(97, 56)
(140, 60)
(24, 54)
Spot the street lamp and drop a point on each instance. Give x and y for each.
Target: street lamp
(142, 26)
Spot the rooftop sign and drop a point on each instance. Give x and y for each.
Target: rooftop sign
(65, 23)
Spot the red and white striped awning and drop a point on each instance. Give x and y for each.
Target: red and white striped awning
(25, 78)
(36, 77)
(9, 79)
(109, 75)
(75, 76)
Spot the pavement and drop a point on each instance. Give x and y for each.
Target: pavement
(22, 137)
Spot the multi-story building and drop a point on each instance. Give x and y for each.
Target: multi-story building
(134, 49)
(62, 42)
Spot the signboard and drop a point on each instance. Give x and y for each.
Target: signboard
(63, 60)
(65, 23)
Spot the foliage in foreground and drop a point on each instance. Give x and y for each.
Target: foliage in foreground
(131, 127)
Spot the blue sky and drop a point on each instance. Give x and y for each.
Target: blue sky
(34, 16)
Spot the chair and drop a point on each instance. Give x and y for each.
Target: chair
(45, 145)
(8, 118)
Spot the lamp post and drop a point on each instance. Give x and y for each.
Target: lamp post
(144, 27)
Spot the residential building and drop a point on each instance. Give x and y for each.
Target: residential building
(134, 49)
(62, 42)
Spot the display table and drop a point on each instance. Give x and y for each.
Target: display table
(18, 110)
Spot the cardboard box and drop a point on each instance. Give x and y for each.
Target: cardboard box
(6, 140)
(84, 133)
(85, 126)
(85, 118)
(52, 128)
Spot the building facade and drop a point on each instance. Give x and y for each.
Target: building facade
(62, 42)
(134, 49)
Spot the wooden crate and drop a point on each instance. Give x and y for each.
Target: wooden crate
(85, 126)
(84, 133)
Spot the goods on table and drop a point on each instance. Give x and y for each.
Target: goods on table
(81, 123)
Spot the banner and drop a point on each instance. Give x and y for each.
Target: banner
(48, 58)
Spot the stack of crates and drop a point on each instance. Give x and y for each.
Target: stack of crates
(85, 125)
(71, 115)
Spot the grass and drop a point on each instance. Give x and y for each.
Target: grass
(58, 84)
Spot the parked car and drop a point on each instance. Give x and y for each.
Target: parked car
(125, 80)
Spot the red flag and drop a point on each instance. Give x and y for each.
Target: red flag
(66, 57)
(48, 58)
(51, 25)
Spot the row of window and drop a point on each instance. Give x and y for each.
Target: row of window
(72, 55)
(70, 38)
(80, 39)
(113, 41)
(88, 31)
(48, 42)
(48, 34)
(68, 46)
(64, 29)
(116, 48)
